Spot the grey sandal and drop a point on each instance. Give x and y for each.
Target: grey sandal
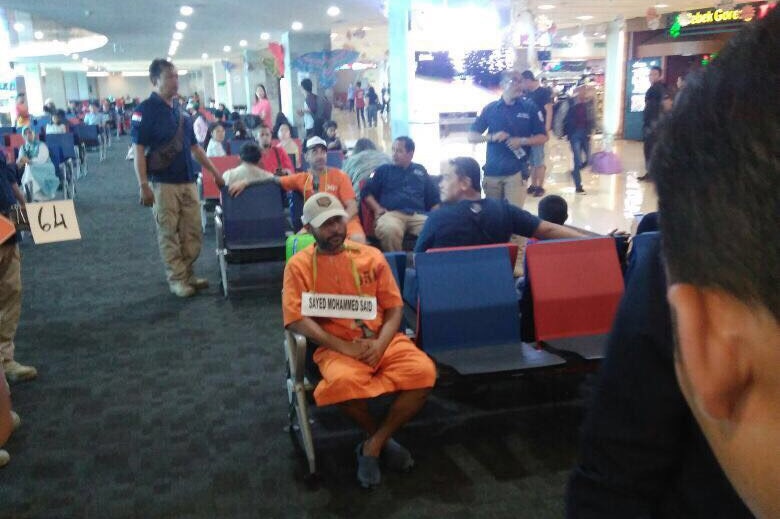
(368, 472)
(397, 457)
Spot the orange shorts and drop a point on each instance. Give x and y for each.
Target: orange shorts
(403, 367)
(354, 227)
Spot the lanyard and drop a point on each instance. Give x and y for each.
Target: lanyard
(314, 187)
(367, 333)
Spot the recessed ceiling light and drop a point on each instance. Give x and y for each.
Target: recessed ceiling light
(84, 60)
(333, 11)
(296, 26)
(180, 26)
(204, 56)
(186, 10)
(334, 35)
(38, 35)
(365, 28)
(546, 7)
(242, 43)
(265, 36)
(177, 36)
(585, 17)
(18, 27)
(175, 43)
(227, 48)
(75, 56)
(661, 6)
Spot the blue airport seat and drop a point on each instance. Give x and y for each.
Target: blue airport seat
(63, 146)
(7, 130)
(296, 209)
(397, 262)
(468, 316)
(252, 221)
(234, 145)
(335, 159)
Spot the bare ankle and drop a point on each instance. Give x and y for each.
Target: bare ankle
(372, 447)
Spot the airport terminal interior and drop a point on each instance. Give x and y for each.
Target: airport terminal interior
(142, 394)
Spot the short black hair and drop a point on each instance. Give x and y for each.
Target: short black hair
(250, 152)
(359, 83)
(363, 144)
(156, 69)
(553, 209)
(527, 74)
(659, 69)
(408, 143)
(718, 172)
(467, 167)
(306, 84)
(330, 124)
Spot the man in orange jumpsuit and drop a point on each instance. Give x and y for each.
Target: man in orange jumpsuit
(360, 353)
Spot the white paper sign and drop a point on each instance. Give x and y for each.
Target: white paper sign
(53, 221)
(338, 306)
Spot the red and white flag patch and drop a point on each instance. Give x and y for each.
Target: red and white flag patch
(137, 117)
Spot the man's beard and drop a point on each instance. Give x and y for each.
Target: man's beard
(331, 244)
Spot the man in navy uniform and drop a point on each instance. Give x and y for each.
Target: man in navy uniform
(165, 143)
(465, 218)
(400, 195)
(510, 126)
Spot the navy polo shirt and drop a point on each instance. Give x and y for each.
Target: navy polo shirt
(475, 222)
(409, 190)
(154, 124)
(7, 198)
(520, 119)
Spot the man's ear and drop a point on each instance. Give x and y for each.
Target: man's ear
(712, 357)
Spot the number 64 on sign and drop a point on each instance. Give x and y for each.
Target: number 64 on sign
(53, 221)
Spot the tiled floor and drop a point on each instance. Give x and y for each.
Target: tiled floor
(611, 202)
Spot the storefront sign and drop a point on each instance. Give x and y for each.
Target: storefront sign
(714, 17)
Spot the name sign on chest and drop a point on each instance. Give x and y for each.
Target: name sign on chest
(338, 306)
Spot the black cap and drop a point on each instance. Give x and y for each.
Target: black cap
(527, 74)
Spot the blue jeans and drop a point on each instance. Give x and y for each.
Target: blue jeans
(580, 145)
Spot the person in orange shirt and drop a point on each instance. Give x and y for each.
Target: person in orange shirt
(320, 179)
(359, 356)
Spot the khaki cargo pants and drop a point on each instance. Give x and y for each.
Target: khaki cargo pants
(391, 227)
(10, 298)
(511, 188)
(176, 212)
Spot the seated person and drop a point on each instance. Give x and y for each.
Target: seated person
(363, 162)
(94, 117)
(58, 123)
(215, 141)
(553, 209)
(321, 179)
(359, 358)
(465, 218)
(289, 145)
(248, 171)
(274, 158)
(400, 195)
(331, 136)
(240, 131)
(39, 172)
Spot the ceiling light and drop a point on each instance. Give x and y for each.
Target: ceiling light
(334, 35)
(185, 10)
(38, 35)
(265, 36)
(584, 17)
(75, 56)
(296, 26)
(546, 7)
(204, 56)
(84, 60)
(226, 48)
(177, 36)
(333, 11)
(97, 73)
(242, 43)
(135, 73)
(182, 72)
(180, 26)
(661, 6)
(18, 27)
(174, 44)
(365, 28)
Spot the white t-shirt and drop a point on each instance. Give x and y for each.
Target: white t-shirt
(215, 149)
(246, 171)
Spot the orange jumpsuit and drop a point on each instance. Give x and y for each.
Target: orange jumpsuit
(402, 367)
(335, 182)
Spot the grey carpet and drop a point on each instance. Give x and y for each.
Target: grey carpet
(150, 406)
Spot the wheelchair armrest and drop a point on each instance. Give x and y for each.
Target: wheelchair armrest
(295, 346)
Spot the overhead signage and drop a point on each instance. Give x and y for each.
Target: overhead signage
(718, 16)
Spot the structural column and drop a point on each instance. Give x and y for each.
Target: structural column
(296, 44)
(614, 78)
(401, 65)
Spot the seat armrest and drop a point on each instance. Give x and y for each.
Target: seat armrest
(295, 344)
(219, 230)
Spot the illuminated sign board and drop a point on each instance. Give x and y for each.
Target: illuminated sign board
(714, 17)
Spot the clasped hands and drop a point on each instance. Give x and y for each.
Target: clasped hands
(367, 351)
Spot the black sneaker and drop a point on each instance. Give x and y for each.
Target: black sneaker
(539, 191)
(580, 191)
(531, 190)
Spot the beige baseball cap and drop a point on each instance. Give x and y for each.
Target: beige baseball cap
(320, 208)
(314, 142)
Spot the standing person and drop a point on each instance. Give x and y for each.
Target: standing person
(200, 126)
(373, 106)
(578, 125)
(400, 195)
(359, 359)
(309, 110)
(653, 98)
(10, 282)
(509, 126)
(164, 146)
(262, 106)
(360, 104)
(351, 97)
(22, 111)
(542, 98)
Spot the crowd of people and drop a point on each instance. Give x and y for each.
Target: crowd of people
(684, 419)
